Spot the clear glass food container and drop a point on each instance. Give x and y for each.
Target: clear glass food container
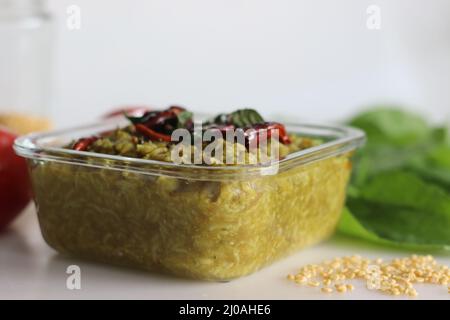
(206, 222)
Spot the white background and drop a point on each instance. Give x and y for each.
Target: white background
(309, 60)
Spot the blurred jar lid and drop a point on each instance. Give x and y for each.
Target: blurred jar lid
(20, 8)
(23, 124)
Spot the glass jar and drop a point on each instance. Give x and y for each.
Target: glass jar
(25, 58)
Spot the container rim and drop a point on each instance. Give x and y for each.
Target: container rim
(343, 139)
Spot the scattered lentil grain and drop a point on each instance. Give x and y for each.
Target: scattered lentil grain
(314, 283)
(326, 290)
(342, 288)
(394, 278)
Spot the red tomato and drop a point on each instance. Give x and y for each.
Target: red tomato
(15, 186)
(135, 111)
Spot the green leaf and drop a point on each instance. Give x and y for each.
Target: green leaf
(441, 135)
(432, 173)
(400, 189)
(349, 225)
(219, 119)
(394, 227)
(406, 189)
(398, 207)
(371, 161)
(240, 118)
(183, 118)
(245, 117)
(396, 139)
(392, 126)
(440, 156)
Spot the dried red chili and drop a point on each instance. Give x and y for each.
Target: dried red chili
(84, 143)
(177, 110)
(151, 134)
(166, 121)
(271, 127)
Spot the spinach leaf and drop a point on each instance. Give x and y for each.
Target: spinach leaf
(370, 161)
(400, 189)
(391, 126)
(398, 227)
(394, 139)
(432, 173)
(440, 156)
(406, 189)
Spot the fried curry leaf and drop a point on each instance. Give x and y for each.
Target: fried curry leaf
(184, 118)
(240, 118)
(245, 117)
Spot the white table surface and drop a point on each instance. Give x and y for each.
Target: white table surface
(29, 269)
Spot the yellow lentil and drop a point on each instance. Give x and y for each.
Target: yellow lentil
(313, 284)
(326, 290)
(411, 293)
(394, 278)
(341, 288)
